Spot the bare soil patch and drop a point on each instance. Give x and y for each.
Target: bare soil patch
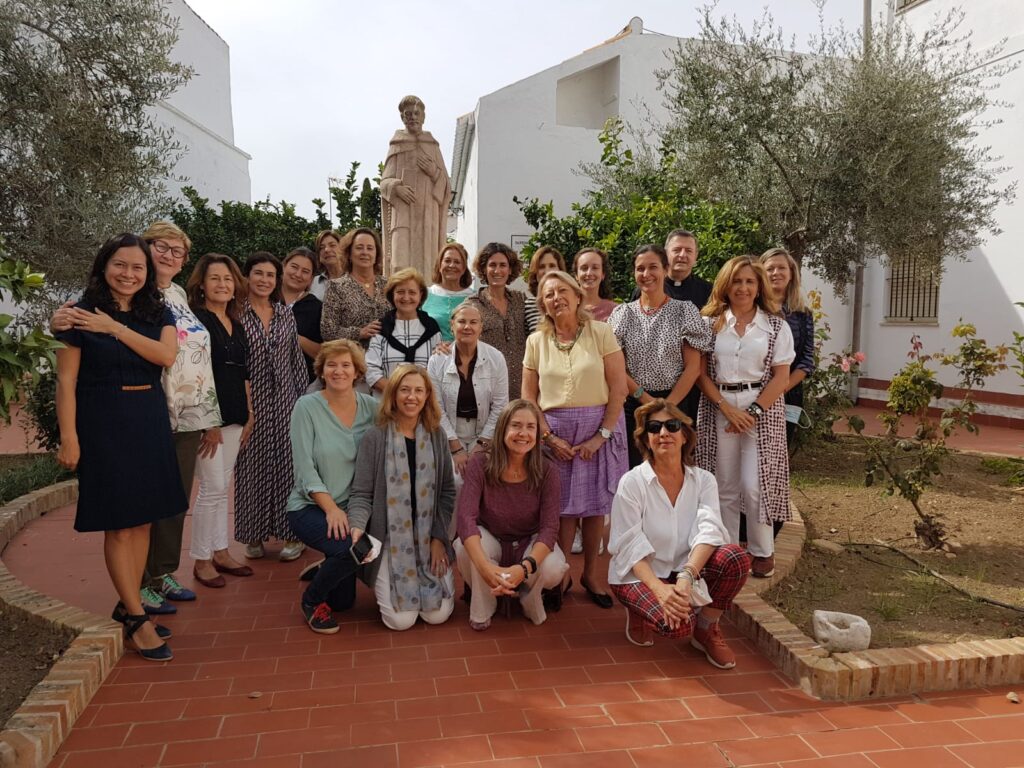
(904, 605)
(29, 646)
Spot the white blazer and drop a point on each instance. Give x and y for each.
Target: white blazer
(490, 384)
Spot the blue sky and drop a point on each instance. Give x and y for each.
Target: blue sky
(316, 84)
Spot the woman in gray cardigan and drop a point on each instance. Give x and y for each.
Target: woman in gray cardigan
(403, 494)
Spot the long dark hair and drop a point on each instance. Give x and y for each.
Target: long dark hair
(497, 457)
(147, 305)
(194, 288)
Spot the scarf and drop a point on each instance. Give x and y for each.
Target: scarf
(413, 586)
(387, 330)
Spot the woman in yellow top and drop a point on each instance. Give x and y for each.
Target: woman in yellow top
(575, 373)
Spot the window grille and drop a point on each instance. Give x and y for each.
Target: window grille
(913, 293)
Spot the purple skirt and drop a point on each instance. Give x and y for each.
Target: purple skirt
(588, 487)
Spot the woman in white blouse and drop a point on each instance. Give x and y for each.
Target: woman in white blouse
(471, 383)
(742, 418)
(407, 333)
(667, 535)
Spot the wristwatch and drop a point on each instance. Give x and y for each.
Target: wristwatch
(755, 410)
(605, 433)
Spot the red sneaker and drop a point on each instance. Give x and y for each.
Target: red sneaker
(711, 642)
(763, 567)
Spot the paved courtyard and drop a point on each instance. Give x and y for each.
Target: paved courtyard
(251, 686)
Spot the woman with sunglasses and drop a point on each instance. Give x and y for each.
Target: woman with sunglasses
(668, 540)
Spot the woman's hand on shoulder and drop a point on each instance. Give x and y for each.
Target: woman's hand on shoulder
(442, 348)
(459, 462)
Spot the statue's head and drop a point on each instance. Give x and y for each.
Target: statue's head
(413, 113)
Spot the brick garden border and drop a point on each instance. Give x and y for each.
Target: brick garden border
(874, 673)
(36, 729)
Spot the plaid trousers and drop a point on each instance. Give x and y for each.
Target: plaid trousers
(725, 572)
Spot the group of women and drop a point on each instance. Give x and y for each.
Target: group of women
(399, 428)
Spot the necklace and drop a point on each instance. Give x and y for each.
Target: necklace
(566, 346)
(649, 311)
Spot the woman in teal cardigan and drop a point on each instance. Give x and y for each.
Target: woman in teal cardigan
(326, 430)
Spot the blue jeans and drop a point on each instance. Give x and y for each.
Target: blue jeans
(335, 582)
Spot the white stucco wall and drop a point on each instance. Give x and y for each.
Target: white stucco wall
(200, 114)
(519, 149)
(981, 289)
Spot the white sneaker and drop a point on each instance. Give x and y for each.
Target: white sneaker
(291, 551)
(577, 543)
(254, 551)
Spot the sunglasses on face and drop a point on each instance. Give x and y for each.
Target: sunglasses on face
(654, 427)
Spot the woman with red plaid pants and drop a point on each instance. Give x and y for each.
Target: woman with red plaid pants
(667, 533)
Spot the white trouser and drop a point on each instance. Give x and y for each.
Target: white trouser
(738, 479)
(483, 604)
(402, 620)
(466, 432)
(210, 511)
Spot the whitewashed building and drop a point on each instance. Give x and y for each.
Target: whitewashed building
(200, 114)
(529, 138)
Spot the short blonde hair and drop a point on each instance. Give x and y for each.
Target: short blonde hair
(583, 315)
(404, 276)
(430, 416)
(332, 349)
(466, 278)
(166, 229)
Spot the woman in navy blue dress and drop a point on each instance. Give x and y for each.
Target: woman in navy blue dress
(114, 427)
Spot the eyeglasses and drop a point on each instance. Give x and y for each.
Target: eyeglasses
(654, 427)
(161, 247)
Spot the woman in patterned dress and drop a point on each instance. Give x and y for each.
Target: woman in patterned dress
(355, 302)
(662, 339)
(574, 372)
(504, 310)
(403, 494)
(277, 372)
(742, 418)
(407, 335)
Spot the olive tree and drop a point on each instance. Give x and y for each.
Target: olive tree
(841, 154)
(81, 155)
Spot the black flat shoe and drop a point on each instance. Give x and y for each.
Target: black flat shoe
(601, 600)
(120, 615)
(552, 599)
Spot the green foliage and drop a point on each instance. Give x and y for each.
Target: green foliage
(82, 152)
(842, 155)
(28, 475)
(356, 208)
(639, 205)
(1011, 469)
(827, 390)
(240, 228)
(23, 351)
(40, 410)
(905, 465)
(1017, 349)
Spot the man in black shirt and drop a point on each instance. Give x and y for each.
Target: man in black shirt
(682, 284)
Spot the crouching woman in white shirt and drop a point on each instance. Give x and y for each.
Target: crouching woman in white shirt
(667, 534)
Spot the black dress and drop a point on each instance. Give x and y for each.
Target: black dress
(128, 470)
(307, 311)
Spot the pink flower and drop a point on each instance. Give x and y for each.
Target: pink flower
(845, 364)
(860, 357)
(182, 335)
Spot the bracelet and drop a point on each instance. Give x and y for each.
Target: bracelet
(545, 436)
(689, 569)
(684, 574)
(532, 562)
(460, 450)
(755, 409)
(638, 393)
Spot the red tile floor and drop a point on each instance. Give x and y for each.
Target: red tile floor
(251, 686)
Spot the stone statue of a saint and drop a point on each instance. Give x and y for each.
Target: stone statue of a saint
(415, 192)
